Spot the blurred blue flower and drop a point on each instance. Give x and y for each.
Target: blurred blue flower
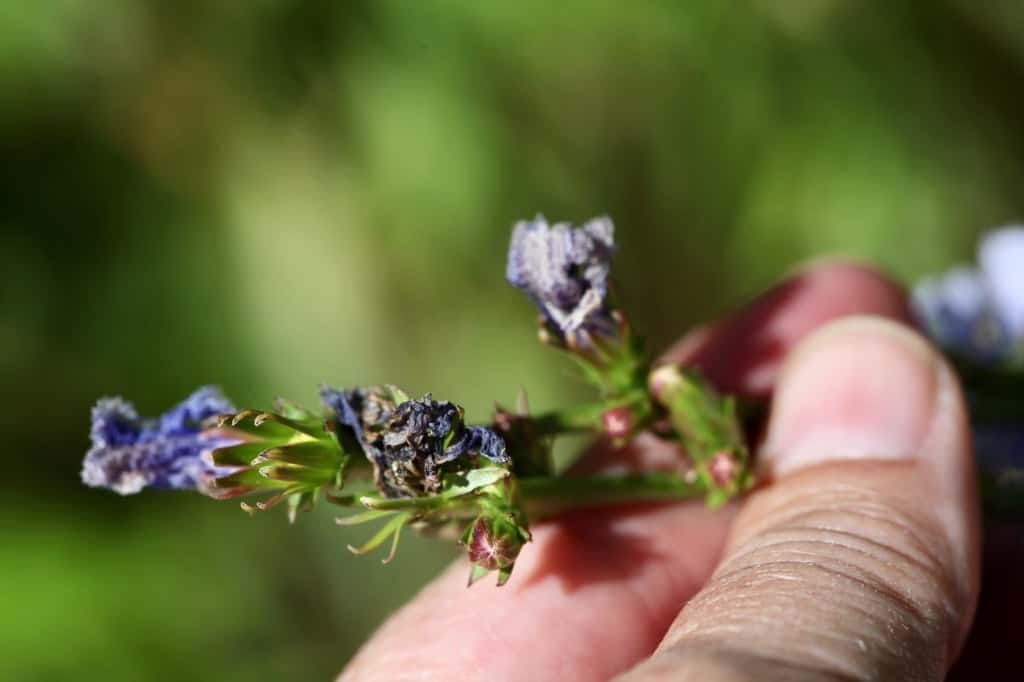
(1001, 257)
(1000, 451)
(978, 313)
(564, 271)
(130, 452)
(409, 440)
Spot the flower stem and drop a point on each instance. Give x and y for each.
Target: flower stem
(544, 497)
(577, 419)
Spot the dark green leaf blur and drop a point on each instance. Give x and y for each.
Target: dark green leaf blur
(271, 194)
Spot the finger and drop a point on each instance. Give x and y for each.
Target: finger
(860, 560)
(594, 592)
(743, 354)
(588, 600)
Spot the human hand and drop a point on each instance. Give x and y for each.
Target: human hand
(857, 557)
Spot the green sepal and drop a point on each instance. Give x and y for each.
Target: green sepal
(304, 501)
(237, 455)
(245, 422)
(617, 367)
(293, 455)
(289, 473)
(504, 573)
(272, 426)
(290, 410)
(496, 536)
(247, 477)
(475, 573)
(308, 454)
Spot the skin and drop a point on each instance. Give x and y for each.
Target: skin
(856, 558)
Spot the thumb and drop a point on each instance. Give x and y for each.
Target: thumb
(859, 559)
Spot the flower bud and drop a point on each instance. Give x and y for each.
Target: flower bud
(618, 422)
(723, 468)
(663, 381)
(489, 548)
(708, 427)
(494, 540)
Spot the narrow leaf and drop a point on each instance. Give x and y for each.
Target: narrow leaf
(362, 517)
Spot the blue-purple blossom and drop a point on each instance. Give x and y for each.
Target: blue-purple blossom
(978, 313)
(408, 441)
(564, 271)
(130, 452)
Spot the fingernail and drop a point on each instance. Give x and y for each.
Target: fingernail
(859, 388)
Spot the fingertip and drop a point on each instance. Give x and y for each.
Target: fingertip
(867, 389)
(858, 388)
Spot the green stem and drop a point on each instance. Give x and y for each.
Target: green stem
(544, 497)
(577, 419)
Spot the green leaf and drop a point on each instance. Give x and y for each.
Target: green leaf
(394, 545)
(362, 517)
(457, 485)
(392, 527)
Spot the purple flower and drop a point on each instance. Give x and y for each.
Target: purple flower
(408, 441)
(130, 453)
(564, 271)
(978, 313)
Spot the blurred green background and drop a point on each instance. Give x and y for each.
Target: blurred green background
(270, 194)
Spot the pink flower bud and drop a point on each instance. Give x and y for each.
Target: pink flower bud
(723, 468)
(490, 549)
(618, 422)
(663, 381)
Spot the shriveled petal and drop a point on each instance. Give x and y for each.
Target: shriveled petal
(130, 453)
(114, 422)
(205, 402)
(564, 271)
(479, 440)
